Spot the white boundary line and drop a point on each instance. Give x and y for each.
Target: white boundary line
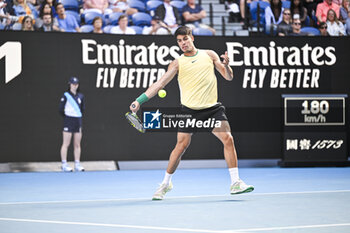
(288, 228)
(170, 198)
(172, 228)
(110, 225)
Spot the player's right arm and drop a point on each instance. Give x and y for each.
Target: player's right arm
(173, 68)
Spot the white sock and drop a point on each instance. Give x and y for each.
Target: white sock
(234, 174)
(64, 162)
(167, 178)
(77, 162)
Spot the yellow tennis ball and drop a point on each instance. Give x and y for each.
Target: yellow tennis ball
(162, 93)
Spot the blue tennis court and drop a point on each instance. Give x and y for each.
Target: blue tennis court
(284, 200)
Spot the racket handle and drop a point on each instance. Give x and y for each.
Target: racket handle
(133, 105)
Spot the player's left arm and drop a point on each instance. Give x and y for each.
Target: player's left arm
(221, 66)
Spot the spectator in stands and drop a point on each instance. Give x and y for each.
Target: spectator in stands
(338, 2)
(2, 7)
(232, 7)
(284, 28)
(323, 8)
(47, 25)
(97, 22)
(8, 8)
(345, 11)
(7, 14)
(46, 9)
(242, 7)
(52, 4)
(98, 6)
(310, 6)
(22, 8)
(27, 23)
(273, 14)
(347, 26)
(322, 27)
(121, 6)
(296, 25)
(122, 27)
(296, 7)
(169, 15)
(67, 23)
(334, 26)
(193, 14)
(3, 15)
(157, 28)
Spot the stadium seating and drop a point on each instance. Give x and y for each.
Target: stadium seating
(202, 32)
(17, 27)
(75, 14)
(89, 17)
(107, 29)
(254, 11)
(179, 5)
(140, 6)
(137, 29)
(86, 28)
(141, 19)
(307, 21)
(153, 4)
(70, 5)
(286, 4)
(311, 31)
(114, 17)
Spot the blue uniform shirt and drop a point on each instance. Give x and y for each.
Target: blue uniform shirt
(72, 105)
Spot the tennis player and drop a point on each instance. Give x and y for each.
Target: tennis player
(198, 87)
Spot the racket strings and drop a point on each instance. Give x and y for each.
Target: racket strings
(135, 121)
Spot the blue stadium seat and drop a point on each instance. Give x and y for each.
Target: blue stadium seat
(140, 6)
(263, 6)
(311, 31)
(141, 19)
(89, 17)
(179, 5)
(107, 29)
(137, 29)
(114, 17)
(307, 21)
(86, 28)
(75, 14)
(286, 4)
(202, 32)
(153, 4)
(17, 27)
(72, 5)
(254, 10)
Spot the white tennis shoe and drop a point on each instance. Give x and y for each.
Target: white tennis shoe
(66, 168)
(161, 191)
(78, 168)
(241, 187)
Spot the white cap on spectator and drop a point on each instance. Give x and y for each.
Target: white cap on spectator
(296, 16)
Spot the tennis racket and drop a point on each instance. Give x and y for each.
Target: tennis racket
(135, 121)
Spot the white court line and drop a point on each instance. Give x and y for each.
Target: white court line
(287, 228)
(169, 198)
(172, 228)
(110, 225)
